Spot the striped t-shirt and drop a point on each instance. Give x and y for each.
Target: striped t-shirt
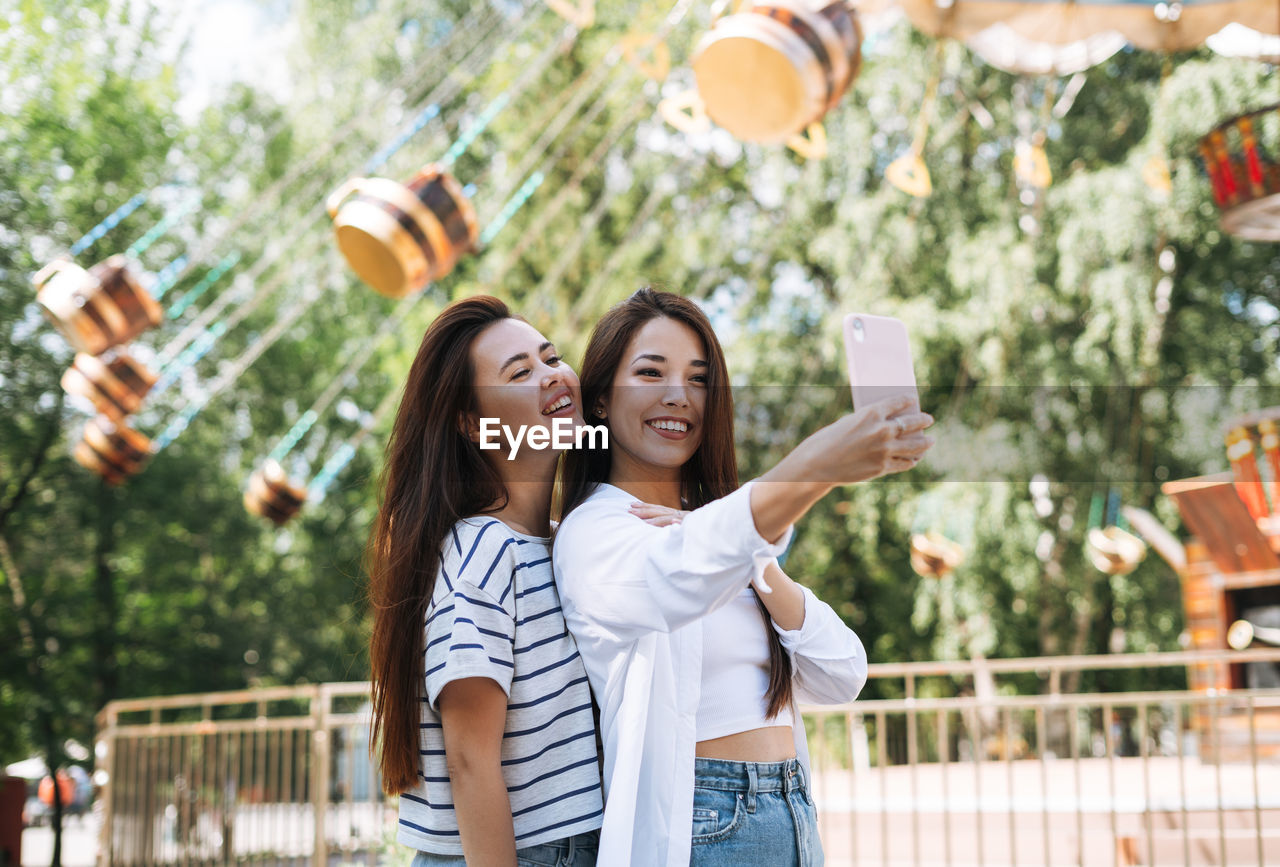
(495, 613)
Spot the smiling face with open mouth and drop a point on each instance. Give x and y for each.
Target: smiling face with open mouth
(656, 403)
(520, 379)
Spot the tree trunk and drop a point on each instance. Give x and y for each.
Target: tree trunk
(104, 637)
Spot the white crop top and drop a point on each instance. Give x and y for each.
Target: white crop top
(735, 671)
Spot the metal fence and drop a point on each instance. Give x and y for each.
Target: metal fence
(283, 776)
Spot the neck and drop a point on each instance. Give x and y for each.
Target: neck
(646, 482)
(529, 487)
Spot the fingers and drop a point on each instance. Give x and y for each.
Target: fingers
(912, 422)
(913, 446)
(663, 520)
(658, 516)
(890, 407)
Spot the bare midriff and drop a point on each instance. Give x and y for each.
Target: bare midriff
(769, 744)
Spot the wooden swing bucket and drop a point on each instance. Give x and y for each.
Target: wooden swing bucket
(397, 237)
(768, 72)
(113, 451)
(271, 495)
(95, 309)
(114, 384)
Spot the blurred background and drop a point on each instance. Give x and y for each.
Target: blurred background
(1048, 221)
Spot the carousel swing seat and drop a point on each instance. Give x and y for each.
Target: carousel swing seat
(397, 237)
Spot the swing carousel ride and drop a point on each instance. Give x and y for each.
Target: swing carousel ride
(765, 72)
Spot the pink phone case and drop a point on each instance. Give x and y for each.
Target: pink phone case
(879, 357)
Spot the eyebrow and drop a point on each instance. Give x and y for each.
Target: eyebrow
(662, 359)
(524, 356)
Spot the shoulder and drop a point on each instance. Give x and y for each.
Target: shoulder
(605, 501)
(480, 551)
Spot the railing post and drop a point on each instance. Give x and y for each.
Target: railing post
(320, 772)
(104, 752)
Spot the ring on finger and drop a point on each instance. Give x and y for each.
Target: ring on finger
(901, 427)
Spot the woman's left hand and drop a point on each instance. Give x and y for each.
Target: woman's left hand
(658, 516)
(663, 516)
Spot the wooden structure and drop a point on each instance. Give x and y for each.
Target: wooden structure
(115, 385)
(769, 71)
(272, 496)
(1230, 572)
(96, 309)
(113, 451)
(398, 237)
(1245, 173)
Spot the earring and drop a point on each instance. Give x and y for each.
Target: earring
(600, 412)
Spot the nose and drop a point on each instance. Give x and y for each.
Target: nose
(676, 394)
(552, 376)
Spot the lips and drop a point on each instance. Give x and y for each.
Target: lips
(560, 404)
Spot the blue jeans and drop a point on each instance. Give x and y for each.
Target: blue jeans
(753, 813)
(576, 851)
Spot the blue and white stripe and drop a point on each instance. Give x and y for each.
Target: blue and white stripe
(495, 613)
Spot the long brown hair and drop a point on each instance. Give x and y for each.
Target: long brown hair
(434, 475)
(711, 473)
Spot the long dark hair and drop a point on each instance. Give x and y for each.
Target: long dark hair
(434, 476)
(711, 473)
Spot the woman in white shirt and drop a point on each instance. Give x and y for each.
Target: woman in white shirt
(482, 712)
(696, 674)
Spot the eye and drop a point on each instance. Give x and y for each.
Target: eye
(520, 374)
(553, 360)
(648, 371)
(700, 378)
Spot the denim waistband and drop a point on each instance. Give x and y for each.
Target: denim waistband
(585, 840)
(749, 777)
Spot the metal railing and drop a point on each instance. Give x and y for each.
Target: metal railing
(283, 776)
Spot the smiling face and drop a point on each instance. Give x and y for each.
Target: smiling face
(657, 401)
(520, 380)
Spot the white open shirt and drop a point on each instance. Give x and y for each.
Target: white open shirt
(633, 596)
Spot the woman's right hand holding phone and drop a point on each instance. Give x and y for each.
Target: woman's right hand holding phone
(883, 438)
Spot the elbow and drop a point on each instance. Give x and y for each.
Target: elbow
(465, 761)
(857, 678)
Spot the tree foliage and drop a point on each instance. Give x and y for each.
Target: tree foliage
(1040, 339)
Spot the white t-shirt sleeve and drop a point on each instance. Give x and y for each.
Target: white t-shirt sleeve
(470, 628)
(627, 577)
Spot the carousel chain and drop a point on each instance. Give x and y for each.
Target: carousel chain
(347, 450)
(513, 91)
(193, 294)
(236, 369)
(565, 117)
(272, 200)
(167, 276)
(536, 179)
(209, 335)
(110, 222)
(639, 223)
(236, 159)
(433, 109)
(572, 185)
(558, 125)
(201, 325)
(361, 356)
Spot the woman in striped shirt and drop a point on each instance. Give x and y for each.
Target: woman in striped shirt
(482, 711)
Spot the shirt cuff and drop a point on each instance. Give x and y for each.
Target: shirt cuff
(764, 550)
(791, 638)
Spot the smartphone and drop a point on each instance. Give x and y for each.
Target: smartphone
(879, 357)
